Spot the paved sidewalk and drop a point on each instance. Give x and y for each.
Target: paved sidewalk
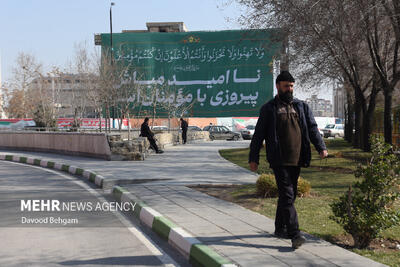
(196, 163)
(243, 236)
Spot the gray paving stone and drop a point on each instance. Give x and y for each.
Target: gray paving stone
(243, 236)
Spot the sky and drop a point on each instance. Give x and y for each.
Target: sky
(49, 29)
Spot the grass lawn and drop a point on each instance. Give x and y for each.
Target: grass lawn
(329, 179)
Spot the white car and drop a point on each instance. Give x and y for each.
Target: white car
(247, 133)
(321, 132)
(333, 130)
(159, 128)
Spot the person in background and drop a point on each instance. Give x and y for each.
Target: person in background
(146, 132)
(287, 125)
(184, 126)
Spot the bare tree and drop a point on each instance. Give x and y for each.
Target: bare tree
(39, 94)
(94, 89)
(110, 75)
(4, 94)
(381, 28)
(128, 93)
(325, 42)
(176, 102)
(24, 73)
(28, 94)
(84, 90)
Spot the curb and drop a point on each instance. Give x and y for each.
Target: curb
(91, 176)
(190, 247)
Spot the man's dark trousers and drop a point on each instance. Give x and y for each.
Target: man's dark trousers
(152, 143)
(184, 136)
(286, 216)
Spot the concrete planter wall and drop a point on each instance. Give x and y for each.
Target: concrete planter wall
(89, 144)
(79, 144)
(176, 137)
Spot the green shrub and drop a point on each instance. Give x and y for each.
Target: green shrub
(367, 208)
(303, 187)
(266, 186)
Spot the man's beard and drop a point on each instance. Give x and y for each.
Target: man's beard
(286, 97)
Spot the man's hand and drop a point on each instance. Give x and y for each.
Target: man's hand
(253, 166)
(323, 154)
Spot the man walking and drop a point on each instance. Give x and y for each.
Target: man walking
(287, 125)
(146, 132)
(184, 126)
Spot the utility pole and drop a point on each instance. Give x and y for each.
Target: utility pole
(112, 61)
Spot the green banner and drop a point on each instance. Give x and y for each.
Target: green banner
(201, 74)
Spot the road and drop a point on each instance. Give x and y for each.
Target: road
(71, 237)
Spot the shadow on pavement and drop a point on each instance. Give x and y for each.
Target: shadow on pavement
(131, 260)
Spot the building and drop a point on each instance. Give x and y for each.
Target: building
(162, 27)
(152, 27)
(320, 107)
(68, 93)
(339, 101)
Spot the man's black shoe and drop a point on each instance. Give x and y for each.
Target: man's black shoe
(160, 151)
(297, 241)
(281, 234)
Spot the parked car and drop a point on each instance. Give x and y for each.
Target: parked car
(159, 128)
(194, 128)
(247, 133)
(321, 132)
(221, 133)
(333, 130)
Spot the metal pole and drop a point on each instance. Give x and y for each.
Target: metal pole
(112, 60)
(111, 41)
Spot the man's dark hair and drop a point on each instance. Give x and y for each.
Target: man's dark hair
(181, 119)
(284, 76)
(146, 119)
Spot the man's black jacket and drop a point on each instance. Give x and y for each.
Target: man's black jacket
(145, 130)
(266, 130)
(184, 125)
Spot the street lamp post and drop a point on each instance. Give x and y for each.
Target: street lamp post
(111, 58)
(111, 41)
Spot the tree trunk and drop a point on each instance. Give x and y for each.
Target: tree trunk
(108, 126)
(349, 124)
(120, 120)
(129, 126)
(105, 119)
(169, 122)
(357, 124)
(388, 127)
(100, 120)
(154, 115)
(367, 119)
(366, 133)
(109, 120)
